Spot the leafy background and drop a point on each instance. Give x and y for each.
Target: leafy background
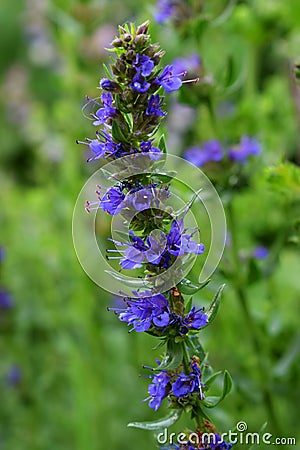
(78, 366)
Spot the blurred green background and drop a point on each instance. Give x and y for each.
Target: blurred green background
(68, 369)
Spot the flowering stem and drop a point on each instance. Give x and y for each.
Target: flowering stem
(240, 290)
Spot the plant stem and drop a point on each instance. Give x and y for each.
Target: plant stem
(240, 290)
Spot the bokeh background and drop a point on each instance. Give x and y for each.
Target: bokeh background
(69, 371)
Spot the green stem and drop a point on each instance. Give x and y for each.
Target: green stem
(186, 358)
(240, 290)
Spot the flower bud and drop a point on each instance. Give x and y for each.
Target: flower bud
(151, 50)
(140, 41)
(143, 28)
(108, 85)
(130, 56)
(117, 42)
(127, 37)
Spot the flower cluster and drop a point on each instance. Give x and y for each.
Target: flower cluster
(153, 311)
(160, 250)
(212, 151)
(176, 386)
(127, 116)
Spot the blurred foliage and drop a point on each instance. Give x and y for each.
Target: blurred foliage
(78, 384)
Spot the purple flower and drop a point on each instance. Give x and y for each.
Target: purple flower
(107, 111)
(165, 9)
(14, 375)
(187, 64)
(157, 250)
(139, 84)
(143, 65)
(107, 85)
(180, 243)
(141, 313)
(6, 301)
(185, 384)
(154, 104)
(248, 146)
(195, 319)
(210, 151)
(154, 152)
(158, 390)
(140, 199)
(112, 201)
(168, 80)
(260, 252)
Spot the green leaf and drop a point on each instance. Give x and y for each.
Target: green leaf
(165, 422)
(162, 144)
(189, 204)
(188, 287)
(285, 179)
(212, 378)
(165, 177)
(254, 274)
(173, 357)
(188, 305)
(118, 133)
(212, 401)
(214, 306)
(107, 72)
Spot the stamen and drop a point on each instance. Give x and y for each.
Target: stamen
(194, 80)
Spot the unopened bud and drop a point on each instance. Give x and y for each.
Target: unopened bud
(143, 28)
(117, 42)
(127, 37)
(107, 85)
(140, 41)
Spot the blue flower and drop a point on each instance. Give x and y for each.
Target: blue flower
(140, 199)
(260, 252)
(154, 104)
(14, 375)
(185, 385)
(6, 301)
(158, 390)
(107, 111)
(210, 151)
(168, 80)
(144, 312)
(180, 243)
(165, 9)
(154, 152)
(112, 201)
(143, 65)
(189, 63)
(107, 85)
(248, 146)
(139, 84)
(195, 319)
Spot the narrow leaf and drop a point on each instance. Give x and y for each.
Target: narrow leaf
(173, 357)
(212, 401)
(107, 72)
(188, 287)
(214, 306)
(165, 422)
(162, 144)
